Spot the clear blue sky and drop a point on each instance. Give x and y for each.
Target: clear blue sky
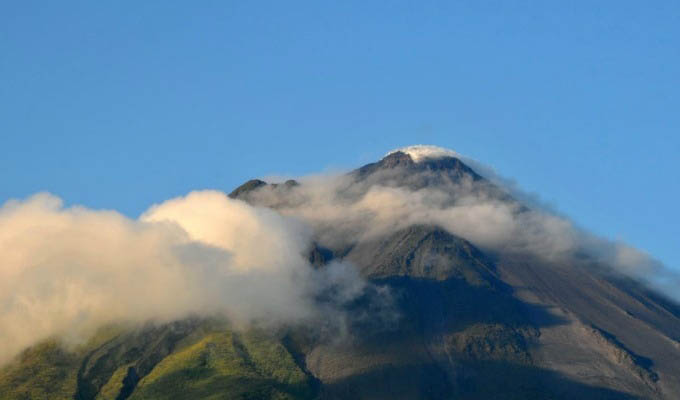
(120, 104)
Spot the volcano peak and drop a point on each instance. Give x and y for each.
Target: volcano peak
(421, 152)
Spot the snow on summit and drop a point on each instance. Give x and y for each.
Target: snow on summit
(422, 152)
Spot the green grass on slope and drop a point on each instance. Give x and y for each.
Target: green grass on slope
(226, 365)
(211, 364)
(48, 371)
(45, 371)
(112, 388)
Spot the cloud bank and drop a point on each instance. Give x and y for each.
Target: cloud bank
(67, 271)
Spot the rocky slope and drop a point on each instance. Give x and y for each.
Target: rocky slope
(472, 323)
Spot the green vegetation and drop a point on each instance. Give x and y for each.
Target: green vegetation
(45, 371)
(199, 362)
(227, 365)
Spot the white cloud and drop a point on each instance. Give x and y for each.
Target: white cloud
(67, 271)
(420, 152)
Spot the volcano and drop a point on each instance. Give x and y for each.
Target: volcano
(454, 310)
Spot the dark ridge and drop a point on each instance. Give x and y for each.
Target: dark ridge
(246, 188)
(394, 160)
(129, 384)
(398, 159)
(243, 192)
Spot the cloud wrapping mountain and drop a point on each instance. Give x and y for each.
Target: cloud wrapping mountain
(67, 271)
(344, 210)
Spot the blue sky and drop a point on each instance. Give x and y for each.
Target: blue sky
(119, 105)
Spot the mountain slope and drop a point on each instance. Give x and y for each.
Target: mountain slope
(568, 330)
(467, 321)
(186, 359)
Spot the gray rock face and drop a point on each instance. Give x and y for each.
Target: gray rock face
(422, 252)
(478, 325)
